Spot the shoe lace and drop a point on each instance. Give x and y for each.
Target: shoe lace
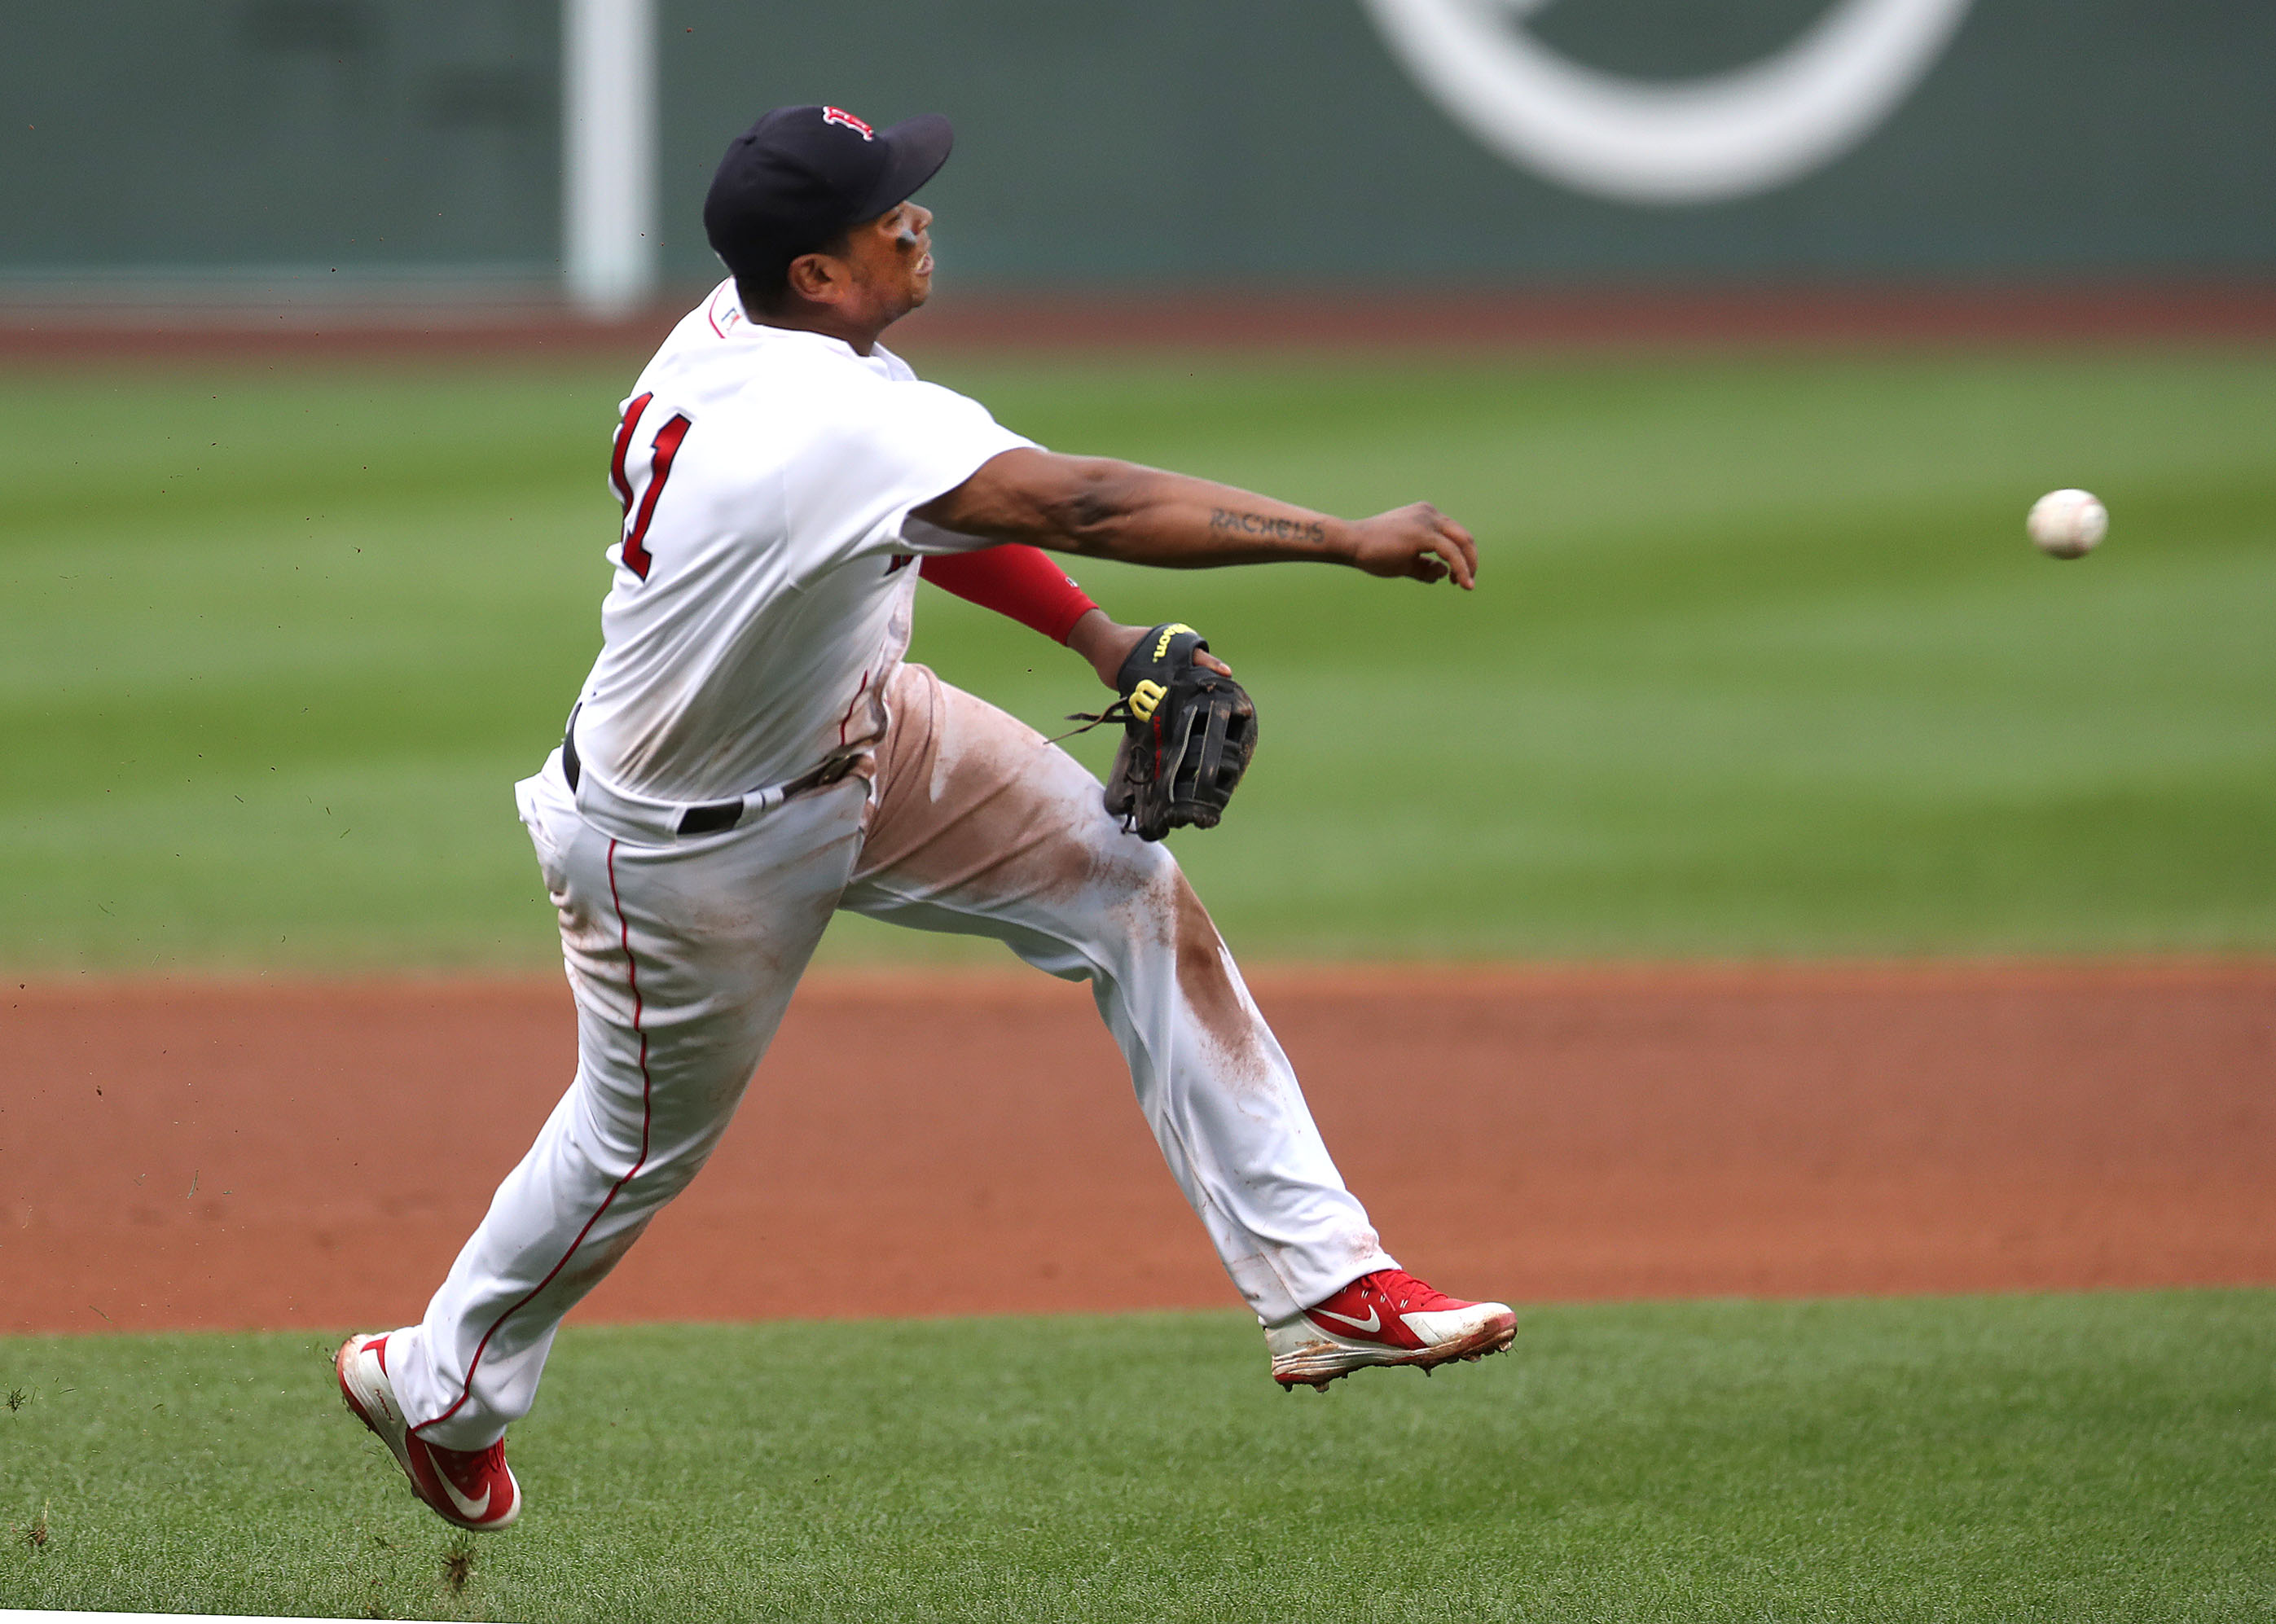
(471, 1468)
(1402, 1293)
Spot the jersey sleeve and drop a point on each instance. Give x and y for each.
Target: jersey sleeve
(891, 448)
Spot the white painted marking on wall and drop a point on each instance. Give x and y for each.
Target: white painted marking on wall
(1702, 140)
(609, 154)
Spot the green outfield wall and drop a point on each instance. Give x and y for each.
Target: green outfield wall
(1191, 141)
(163, 136)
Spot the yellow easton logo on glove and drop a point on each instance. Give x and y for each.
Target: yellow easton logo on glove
(1162, 643)
(1144, 697)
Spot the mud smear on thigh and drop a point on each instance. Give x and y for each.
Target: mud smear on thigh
(1209, 991)
(973, 803)
(1000, 844)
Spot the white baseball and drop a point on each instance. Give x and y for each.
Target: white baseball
(2066, 524)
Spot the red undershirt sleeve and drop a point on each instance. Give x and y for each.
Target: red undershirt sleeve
(1012, 580)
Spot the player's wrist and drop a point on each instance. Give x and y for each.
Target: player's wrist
(1104, 642)
(1343, 542)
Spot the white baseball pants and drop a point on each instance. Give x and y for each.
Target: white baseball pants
(683, 955)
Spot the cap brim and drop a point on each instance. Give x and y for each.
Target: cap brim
(914, 150)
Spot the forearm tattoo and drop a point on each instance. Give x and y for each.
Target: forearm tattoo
(1264, 524)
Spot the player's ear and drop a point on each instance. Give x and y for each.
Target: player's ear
(815, 277)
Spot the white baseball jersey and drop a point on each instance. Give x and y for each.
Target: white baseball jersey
(761, 604)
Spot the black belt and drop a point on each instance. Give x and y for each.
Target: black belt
(711, 815)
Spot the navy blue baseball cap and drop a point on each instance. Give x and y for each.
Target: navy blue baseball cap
(801, 175)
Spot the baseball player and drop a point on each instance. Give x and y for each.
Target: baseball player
(751, 752)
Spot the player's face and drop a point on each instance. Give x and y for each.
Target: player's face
(890, 258)
(884, 272)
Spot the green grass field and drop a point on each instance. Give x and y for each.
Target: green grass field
(2104, 1458)
(1761, 664)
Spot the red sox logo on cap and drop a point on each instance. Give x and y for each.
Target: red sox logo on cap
(839, 115)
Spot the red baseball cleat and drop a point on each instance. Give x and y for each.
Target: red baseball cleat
(1387, 1317)
(473, 1487)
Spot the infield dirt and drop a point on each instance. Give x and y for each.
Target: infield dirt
(259, 1154)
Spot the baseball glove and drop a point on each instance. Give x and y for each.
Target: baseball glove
(1187, 735)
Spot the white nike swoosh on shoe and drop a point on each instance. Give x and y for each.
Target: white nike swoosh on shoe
(1372, 1323)
(472, 1509)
